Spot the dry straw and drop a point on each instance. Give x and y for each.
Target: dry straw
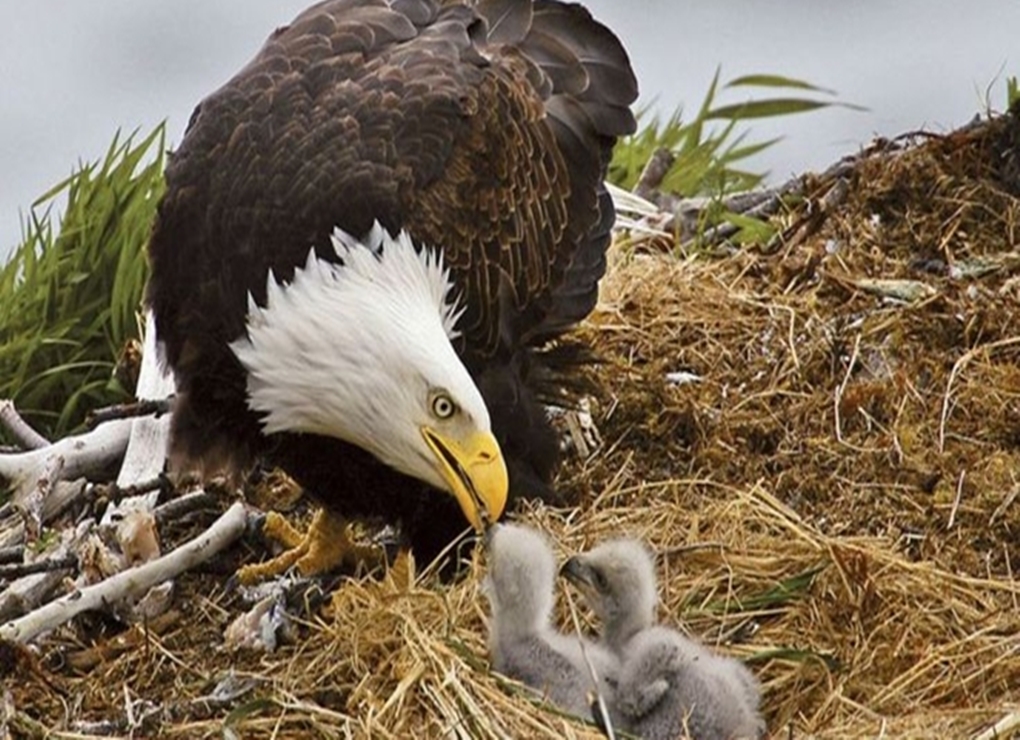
(821, 440)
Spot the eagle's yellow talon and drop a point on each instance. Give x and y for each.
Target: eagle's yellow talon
(277, 528)
(326, 545)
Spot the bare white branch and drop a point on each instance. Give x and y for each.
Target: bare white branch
(27, 592)
(63, 494)
(130, 583)
(74, 457)
(20, 429)
(146, 450)
(1001, 729)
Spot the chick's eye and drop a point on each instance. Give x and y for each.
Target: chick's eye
(443, 406)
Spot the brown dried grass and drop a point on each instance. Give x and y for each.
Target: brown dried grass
(835, 500)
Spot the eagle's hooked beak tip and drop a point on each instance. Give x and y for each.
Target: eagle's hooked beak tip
(475, 473)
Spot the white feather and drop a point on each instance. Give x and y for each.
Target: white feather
(355, 349)
(407, 268)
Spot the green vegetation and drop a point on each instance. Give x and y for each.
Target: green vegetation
(71, 295)
(708, 158)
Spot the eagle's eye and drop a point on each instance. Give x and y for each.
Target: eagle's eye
(443, 406)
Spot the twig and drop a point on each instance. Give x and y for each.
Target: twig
(1009, 572)
(15, 554)
(19, 570)
(759, 204)
(35, 476)
(30, 503)
(145, 455)
(133, 582)
(12, 527)
(26, 593)
(682, 215)
(756, 204)
(815, 216)
(1001, 729)
(652, 175)
(842, 387)
(956, 500)
(603, 719)
(78, 456)
(694, 547)
(146, 451)
(22, 431)
(129, 709)
(158, 483)
(136, 635)
(146, 717)
(132, 410)
(178, 507)
(1006, 503)
(957, 368)
(22, 725)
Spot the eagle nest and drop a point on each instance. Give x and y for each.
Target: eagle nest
(820, 438)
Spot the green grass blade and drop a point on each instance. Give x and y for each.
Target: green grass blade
(779, 81)
(770, 108)
(72, 294)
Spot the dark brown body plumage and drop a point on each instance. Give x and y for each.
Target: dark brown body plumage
(482, 128)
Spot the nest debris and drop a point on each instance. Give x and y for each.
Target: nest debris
(820, 437)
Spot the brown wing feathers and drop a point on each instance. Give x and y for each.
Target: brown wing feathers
(483, 128)
(587, 86)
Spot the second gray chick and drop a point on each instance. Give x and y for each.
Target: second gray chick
(669, 685)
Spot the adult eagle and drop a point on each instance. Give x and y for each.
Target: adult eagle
(368, 236)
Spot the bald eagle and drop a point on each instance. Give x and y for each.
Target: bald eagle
(369, 236)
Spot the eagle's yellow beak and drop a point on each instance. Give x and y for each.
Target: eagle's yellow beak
(475, 473)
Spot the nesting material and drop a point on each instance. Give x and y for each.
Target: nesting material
(836, 499)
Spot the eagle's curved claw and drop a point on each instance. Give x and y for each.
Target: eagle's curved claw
(326, 546)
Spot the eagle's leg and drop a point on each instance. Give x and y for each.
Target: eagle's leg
(326, 545)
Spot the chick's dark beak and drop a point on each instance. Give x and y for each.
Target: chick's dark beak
(577, 572)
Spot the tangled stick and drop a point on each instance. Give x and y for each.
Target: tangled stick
(131, 583)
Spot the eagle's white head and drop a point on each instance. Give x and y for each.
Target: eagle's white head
(362, 351)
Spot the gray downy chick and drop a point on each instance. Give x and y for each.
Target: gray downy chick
(617, 579)
(522, 643)
(669, 686)
(672, 687)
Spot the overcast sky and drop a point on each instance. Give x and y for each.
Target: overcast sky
(74, 71)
